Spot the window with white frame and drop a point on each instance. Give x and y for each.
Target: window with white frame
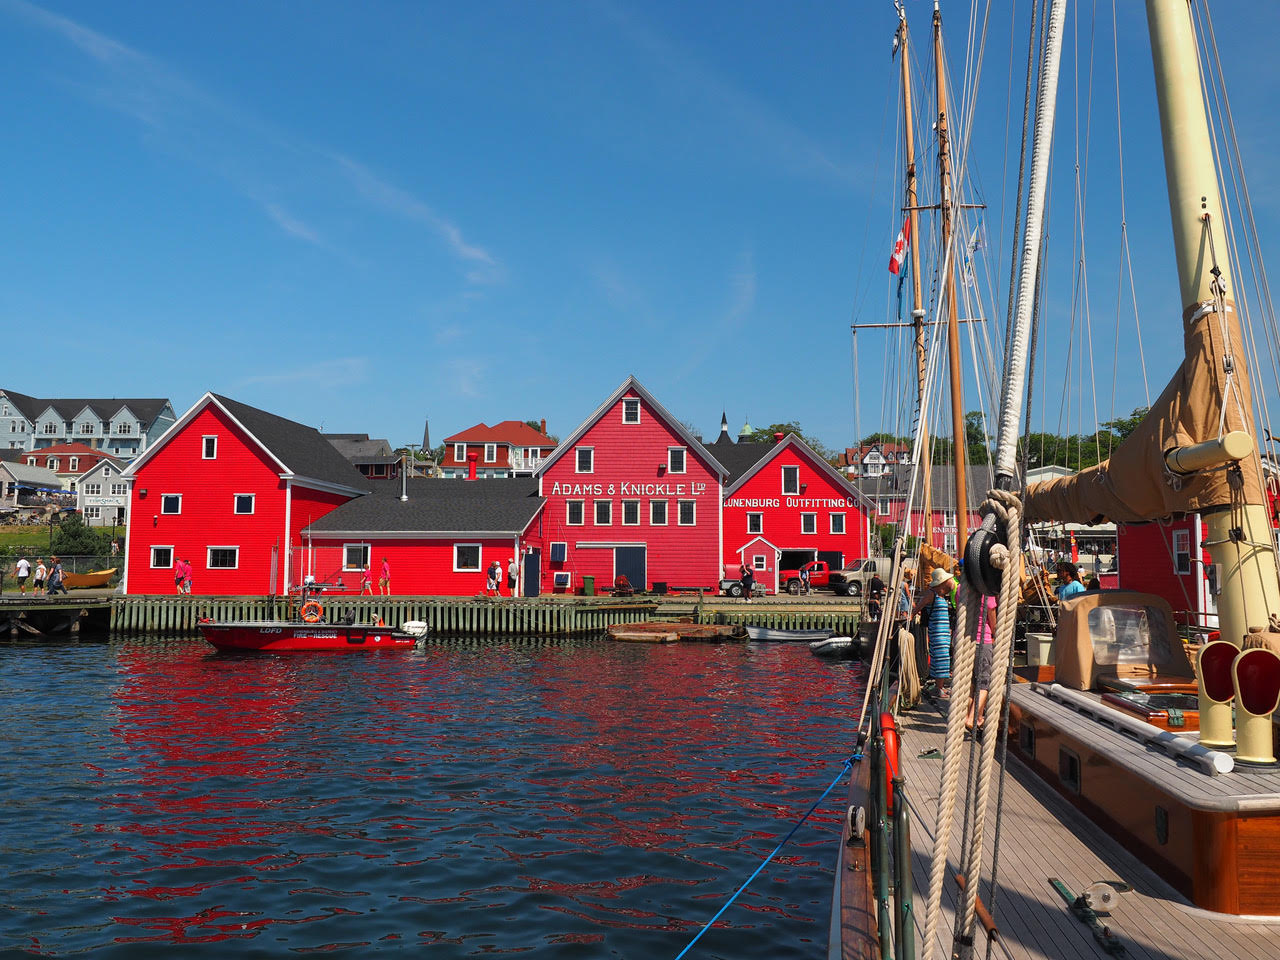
(631, 513)
(171, 503)
(244, 503)
(106, 472)
(161, 558)
(630, 410)
(54, 463)
(790, 480)
(882, 506)
(355, 556)
(1182, 552)
(837, 523)
(688, 514)
(224, 558)
(119, 489)
(73, 464)
(31, 461)
(948, 518)
(124, 429)
(562, 579)
(490, 453)
(93, 513)
(573, 513)
(758, 561)
(808, 523)
(658, 513)
(460, 452)
(209, 448)
(50, 428)
(585, 460)
(755, 523)
(604, 513)
(675, 459)
(466, 558)
(92, 489)
(86, 429)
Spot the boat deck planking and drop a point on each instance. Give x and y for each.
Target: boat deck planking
(1043, 836)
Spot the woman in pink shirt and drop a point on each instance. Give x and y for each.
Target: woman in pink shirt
(982, 664)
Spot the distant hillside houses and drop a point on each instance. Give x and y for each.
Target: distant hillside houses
(511, 448)
(123, 428)
(873, 459)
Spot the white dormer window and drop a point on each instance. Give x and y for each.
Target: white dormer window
(675, 459)
(790, 480)
(209, 448)
(31, 461)
(86, 429)
(585, 460)
(54, 463)
(73, 464)
(460, 452)
(631, 410)
(490, 453)
(50, 428)
(124, 429)
(106, 471)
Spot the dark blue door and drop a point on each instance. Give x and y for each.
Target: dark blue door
(533, 573)
(629, 562)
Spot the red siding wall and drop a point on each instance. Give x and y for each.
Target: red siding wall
(762, 493)
(419, 567)
(630, 464)
(1145, 555)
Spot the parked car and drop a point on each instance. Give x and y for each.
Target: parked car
(853, 583)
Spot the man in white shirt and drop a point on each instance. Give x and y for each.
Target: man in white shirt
(22, 571)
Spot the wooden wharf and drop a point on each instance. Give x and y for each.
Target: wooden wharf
(1042, 836)
(176, 615)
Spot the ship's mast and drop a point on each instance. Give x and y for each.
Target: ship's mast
(917, 296)
(1240, 540)
(953, 319)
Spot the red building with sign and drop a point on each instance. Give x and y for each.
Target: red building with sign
(631, 493)
(228, 488)
(784, 505)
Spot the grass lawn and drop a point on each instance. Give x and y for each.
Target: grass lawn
(35, 538)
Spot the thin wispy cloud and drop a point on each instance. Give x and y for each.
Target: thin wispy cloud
(347, 370)
(260, 161)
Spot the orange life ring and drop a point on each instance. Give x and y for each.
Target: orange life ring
(312, 612)
(889, 731)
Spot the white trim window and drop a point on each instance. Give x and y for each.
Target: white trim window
(92, 489)
(466, 558)
(837, 524)
(604, 513)
(755, 523)
(93, 513)
(573, 513)
(355, 556)
(562, 579)
(161, 558)
(119, 489)
(1182, 552)
(790, 480)
(73, 464)
(676, 459)
(53, 463)
(657, 513)
(584, 460)
(106, 471)
(688, 513)
(882, 507)
(223, 558)
(209, 448)
(490, 453)
(808, 523)
(244, 503)
(631, 513)
(460, 452)
(759, 562)
(630, 409)
(171, 503)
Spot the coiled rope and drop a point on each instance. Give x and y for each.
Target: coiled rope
(844, 770)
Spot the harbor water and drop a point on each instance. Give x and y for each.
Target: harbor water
(541, 798)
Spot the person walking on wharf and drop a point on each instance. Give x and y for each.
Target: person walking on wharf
(41, 573)
(748, 581)
(22, 571)
(55, 578)
(513, 576)
(366, 582)
(384, 578)
(495, 576)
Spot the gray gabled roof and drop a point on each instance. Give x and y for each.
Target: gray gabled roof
(362, 447)
(27, 475)
(437, 507)
(146, 409)
(302, 449)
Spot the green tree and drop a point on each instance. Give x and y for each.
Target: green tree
(883, 437)
(72, 537)
(765, 435)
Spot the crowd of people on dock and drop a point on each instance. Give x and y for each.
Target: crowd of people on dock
(47, 580)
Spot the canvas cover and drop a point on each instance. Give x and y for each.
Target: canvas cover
(1134, 485)
(1117, 633)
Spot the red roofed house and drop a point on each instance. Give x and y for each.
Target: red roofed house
(70, 461)
(228, 488)
(873, 459)
(511, 448)
(630, 492)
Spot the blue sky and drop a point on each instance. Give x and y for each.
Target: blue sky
(363, 215)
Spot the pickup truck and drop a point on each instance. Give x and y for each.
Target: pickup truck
(821, 575)
(853, 583)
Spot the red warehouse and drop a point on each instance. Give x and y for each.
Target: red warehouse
(784, 505)
(228, 488)
(631, 493)
(1169, 560)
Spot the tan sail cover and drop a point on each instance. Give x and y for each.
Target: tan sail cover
(1117, 633)
(1134, 485)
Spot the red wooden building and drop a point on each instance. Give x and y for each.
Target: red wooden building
(228, 488)
(784, 505)
(511, 448)
(70, 461)
(1169, 560)
(631, 493)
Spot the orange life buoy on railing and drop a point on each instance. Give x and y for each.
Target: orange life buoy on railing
(889, 731)
(312, 611)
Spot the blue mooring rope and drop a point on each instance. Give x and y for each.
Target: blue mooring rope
(710, 923)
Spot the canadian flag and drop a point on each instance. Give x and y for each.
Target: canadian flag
(900, 248)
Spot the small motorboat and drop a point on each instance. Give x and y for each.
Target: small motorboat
(95, 578)
(770, 635)
(834, 647)
(310, 632)
(656, 632)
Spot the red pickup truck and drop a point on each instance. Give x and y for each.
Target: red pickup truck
(792, 582)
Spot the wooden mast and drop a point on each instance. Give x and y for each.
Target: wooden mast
(953, 320)
(917, 296)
